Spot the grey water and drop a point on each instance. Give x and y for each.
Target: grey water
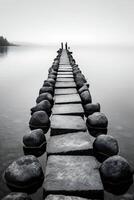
(108, 69)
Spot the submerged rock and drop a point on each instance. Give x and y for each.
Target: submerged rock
(17, 196)
(116, 174)
(39, 120)
(45, 96)
(43, 105)
(105, 146)
(86, 97)
(90, 108)
(24, 174)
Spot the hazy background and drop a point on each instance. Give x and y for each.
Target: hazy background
(75, 21)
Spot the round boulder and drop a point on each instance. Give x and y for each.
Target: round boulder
(116, 174)
(47, 84)
(46, 89)
(39, 120)
(24, 174)
(34, 139)
(90, 108)
(43, 105)
(52, 76)
(45, 96)
(86, 97)
(97, 124)
(17, 196)
(105, 146)
(51, 80)
(83, 88)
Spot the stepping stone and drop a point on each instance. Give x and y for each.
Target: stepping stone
(63, 197)
(64, 69)
(65, 76)
(65, 73)
(65, 84)
(79, 143)
(65, 79)
(65, 91)
(65, 66)
(68, 98)
(68, 109)
(62, 124)
(73, 175)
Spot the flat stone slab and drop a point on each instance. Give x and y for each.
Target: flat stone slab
(62, 124)
(65, 66)
(65, 79)
(65, 69)
(65, 84)
(63, 197)
(68, 98)
(65, 76)
(65, 73)
(73, 175)
(68, 109)
(79, 143)
(65, 91)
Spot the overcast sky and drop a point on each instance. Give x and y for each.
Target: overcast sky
(77, 21)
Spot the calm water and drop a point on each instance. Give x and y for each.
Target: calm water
(109, 71)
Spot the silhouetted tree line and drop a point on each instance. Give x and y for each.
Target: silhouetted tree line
(4, 41)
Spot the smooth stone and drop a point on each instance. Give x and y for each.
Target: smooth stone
(47, 84)
(73, 175)
(105, 146)
(68, 109)
(24, 174)
(39, 120)
(17, 196)
(68, 98)
(116, 174)
(65, 73)
(45, 96)
(65, 84)
(43, 105)
(79, 143)
(65, 91)
(34, 139)
(83, 88)
(52, 76)
(65, 69)
(90, 108)
(86, 97)
(63, 197)
(65, 79)
(97, 119)
(46, 89)
(65, 76)
(62, 124)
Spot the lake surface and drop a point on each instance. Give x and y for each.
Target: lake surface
(109, 70)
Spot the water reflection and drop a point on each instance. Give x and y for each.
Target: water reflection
(3, 50)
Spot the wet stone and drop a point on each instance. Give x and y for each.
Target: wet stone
(62, 197)
(65, 91)
(17, 196)
(69, 98)
(79, 143)
(68, 109)
(65, 84)
(73, 175)
(61, 124)
(65, 76)
(64, 79)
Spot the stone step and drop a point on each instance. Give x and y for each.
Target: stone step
(65, 79)
(68, 109)
(62, 124)
(65, 73)
(65, 84)
(65, 91)
(63, 197)
(65, 69)
(67, 98)
(73, 175)
(79, 143)
(65, 76)
(65, 66)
